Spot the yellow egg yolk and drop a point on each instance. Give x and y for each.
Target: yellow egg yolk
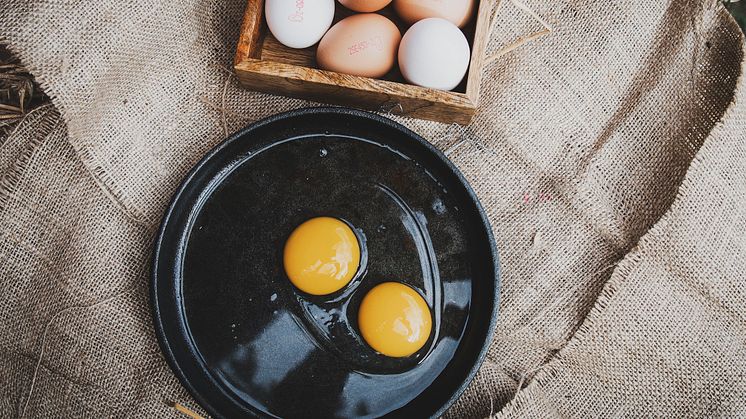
(394, 319)
(321, 256)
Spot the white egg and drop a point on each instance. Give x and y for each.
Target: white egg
(299, 23)
(434, 53)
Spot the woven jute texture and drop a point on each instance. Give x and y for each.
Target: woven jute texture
(610, 156)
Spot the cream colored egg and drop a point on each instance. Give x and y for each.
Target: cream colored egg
(459, 12)
(299, 23)
(434, 53)
(365, 6)
(360, 45)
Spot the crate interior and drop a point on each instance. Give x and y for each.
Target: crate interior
(269, 49)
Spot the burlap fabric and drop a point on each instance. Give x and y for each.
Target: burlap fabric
(610, 156)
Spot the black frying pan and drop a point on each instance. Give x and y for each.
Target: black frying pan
(245, 342)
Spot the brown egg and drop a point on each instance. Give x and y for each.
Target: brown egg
(361, 45)
(459, 12)
(365, 6)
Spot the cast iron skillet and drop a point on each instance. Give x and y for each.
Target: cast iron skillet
(245, 342)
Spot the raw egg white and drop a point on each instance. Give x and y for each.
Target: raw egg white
(434, 53)
(394, 319)
(360, 45)
(321, 256)
(458, 12)
(365, 6)
(299, 23)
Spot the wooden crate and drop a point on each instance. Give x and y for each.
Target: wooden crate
(265, 65)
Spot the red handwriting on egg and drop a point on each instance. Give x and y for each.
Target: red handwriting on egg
(374, 42)
(298, 15)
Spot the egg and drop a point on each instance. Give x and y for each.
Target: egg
(458, 12)
(434, 53)
(365, 6)
(394, 319)
(299, 23)
(321, 255)
(360, 45)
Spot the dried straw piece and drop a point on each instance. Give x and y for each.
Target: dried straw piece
(11, 108)
(222, 108)
(222, 114)
(17, 92)
(522, 40)
(183, 409)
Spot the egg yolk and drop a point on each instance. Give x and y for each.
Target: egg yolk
(394, 319)
(321, 256)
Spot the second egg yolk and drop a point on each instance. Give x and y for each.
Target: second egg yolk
(321, 256)
(394, 319)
